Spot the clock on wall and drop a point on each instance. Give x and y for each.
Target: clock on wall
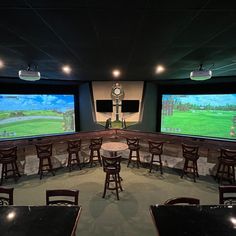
(117, 92)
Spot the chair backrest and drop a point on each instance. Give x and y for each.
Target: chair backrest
(44, 150)
(190, 151)
(182, 200)
(74, 145)
(228, 154)
(62, 197)
(155, 147)
(111, 163)
(227, 194)
(95, 143)
(8, 154)
(6, 196)
(132, 142)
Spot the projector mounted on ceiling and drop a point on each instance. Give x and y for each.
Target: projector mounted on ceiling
(29, 75)
(200, 74)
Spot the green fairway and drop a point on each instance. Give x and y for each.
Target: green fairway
(200, 122)
(31, 127)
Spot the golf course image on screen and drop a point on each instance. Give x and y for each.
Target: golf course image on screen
(208, 115)
(32, 115)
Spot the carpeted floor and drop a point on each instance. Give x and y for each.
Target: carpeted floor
(130, 216)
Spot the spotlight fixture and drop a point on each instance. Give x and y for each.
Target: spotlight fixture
(116, 73)
(1, 64)
(66, 69)
(160, 69)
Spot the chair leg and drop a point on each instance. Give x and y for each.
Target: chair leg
(99, 157)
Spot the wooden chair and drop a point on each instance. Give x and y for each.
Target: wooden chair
(190, 154)
(227, 162)
(133, 144)
(8, 158)
(6, 196)
(44, 153)
(73, 149)
(95, 146)
(156, 149)
(111, 166)
(182, 200)
(227, 194)
(62, 197)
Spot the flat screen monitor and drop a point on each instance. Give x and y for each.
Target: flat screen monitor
(104, 105)
(130, 106)
(208, 115)
(24, 115)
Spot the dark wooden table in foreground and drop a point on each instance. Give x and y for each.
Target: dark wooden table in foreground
(206, 220)
(39, 220)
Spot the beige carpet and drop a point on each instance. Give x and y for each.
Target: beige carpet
(130, 216)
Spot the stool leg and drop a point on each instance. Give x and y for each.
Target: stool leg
(69, 161)
(91, 158)
(40, 167)
(99, 157)
(138, 158)
(160, 164)
(105, 186)
(78, 160)
(2, 174)
(151, 163)
(50, 166)
(184, 168)
(130, 157)
(116, 184)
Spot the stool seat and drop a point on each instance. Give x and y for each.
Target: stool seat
(190, 154)
(8, 158)
(226, 164)
(133, 145)
(111, 166)
(44, 153)
(156, 149)
(95, 146)
(74, 147)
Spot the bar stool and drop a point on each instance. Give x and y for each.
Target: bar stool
(133, 144)
(155, 148)
(44, 153)
(190, 154)
(73, 149)
(227, 161)
(95, 146)
(8, 157)
(111, 166)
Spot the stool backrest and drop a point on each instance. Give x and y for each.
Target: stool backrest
(96, 143)
(156, 147)
(190, 151)
(62, 197)
(182, 200)
(6, 196)
(8, 153)
(132, 142)
(74, 145)
(111, 163)
(227, 194)
(44, 150)
(228, 154)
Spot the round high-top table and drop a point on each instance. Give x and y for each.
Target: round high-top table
(114, 147)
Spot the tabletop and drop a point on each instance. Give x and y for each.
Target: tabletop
(114, 146)
(38, 220)
(205, 220)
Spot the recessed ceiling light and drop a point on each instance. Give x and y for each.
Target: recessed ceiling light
(116, 73)
(160, 69)
(66, 69)
(1, 64)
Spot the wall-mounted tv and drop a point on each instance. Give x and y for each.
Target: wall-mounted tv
(208, 115)
(130, 106)
(24, 115)
(104, 105)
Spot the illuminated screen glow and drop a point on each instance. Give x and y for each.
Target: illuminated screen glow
(211, 115)
(32, 115)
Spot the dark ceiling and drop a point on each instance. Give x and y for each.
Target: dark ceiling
(96, 36)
